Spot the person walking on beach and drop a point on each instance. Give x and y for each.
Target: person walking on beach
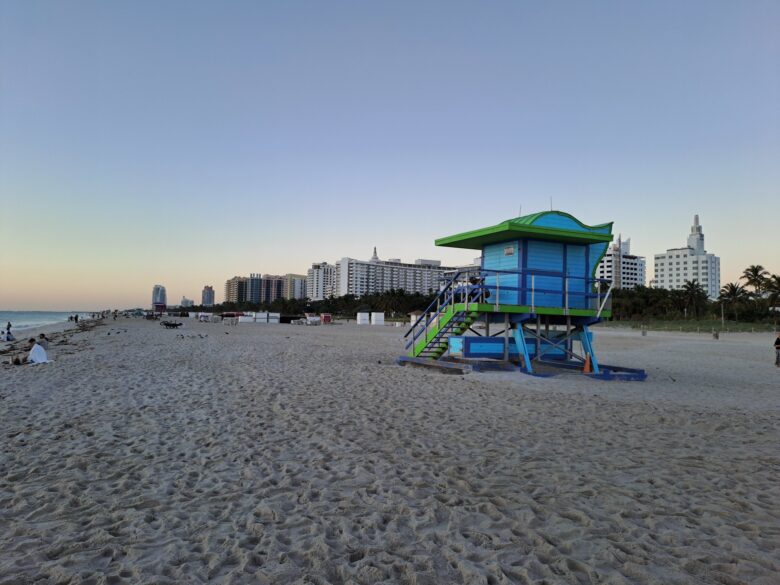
(777, 350)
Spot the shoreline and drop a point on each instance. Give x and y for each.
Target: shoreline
(55, 332)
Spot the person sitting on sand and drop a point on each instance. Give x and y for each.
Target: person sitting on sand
(43, 341)
(37, 354)
(777, 350)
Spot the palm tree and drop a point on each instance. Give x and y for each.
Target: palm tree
(695, 296)
(773, 288)
(755, 276)
(732, 294)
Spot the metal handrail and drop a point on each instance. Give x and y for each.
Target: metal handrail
(459, 286)
(435, 301)
(466, 295)
(604, 302)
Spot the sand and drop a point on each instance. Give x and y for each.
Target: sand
(284, 454)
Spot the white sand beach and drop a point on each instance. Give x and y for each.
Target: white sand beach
(283, 454)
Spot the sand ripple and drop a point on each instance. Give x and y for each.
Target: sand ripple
(287, 455)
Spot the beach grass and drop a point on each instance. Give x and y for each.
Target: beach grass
(693, 326)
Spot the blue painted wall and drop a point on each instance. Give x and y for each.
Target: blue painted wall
(547, 257)
(595, 252)
(553, 259)
(493, 347)
(495, 257)
(553, 264)
(576, 267)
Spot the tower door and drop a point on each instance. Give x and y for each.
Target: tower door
(544, 277)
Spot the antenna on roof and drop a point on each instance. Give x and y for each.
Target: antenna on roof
(551, 203)
(520, 211)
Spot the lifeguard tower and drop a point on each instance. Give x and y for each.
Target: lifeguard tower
(531, 301)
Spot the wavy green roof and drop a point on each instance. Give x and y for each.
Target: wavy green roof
(545, 225)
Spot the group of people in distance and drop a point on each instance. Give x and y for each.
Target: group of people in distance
(6, 334)
(38, 348)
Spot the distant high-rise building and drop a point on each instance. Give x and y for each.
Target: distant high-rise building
(236, 289)
(691, 263)
(294, 286)
(263, 289)
(271, 288)
(321, 281)
(361, 277)
(159, 296)
(207, 297)
(254, 285)
(619, 266)
(185, 302)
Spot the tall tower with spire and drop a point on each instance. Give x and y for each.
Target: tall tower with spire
(692, 263)
(374, 258)
(696, 238)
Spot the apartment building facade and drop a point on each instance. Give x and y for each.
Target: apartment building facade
(159, 296)
(236, 289)
(207, 296)
(690, 263)
(294, 286)
(362, 277)
(622, 268)
(321, 281)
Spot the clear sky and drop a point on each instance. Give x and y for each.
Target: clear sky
(182, 143)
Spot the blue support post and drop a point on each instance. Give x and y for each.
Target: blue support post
(522, 348)
(588, 347)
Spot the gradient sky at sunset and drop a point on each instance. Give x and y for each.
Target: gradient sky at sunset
(182, 143)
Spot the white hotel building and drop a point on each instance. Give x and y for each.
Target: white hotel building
(620, 267)
(361, 277)
(693, 262)
(349, 276)
(321, 281)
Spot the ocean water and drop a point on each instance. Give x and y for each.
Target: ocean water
(29, 319)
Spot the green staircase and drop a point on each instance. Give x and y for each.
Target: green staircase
(432, 343)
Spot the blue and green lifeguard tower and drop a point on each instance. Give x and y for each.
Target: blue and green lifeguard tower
(531, 301)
